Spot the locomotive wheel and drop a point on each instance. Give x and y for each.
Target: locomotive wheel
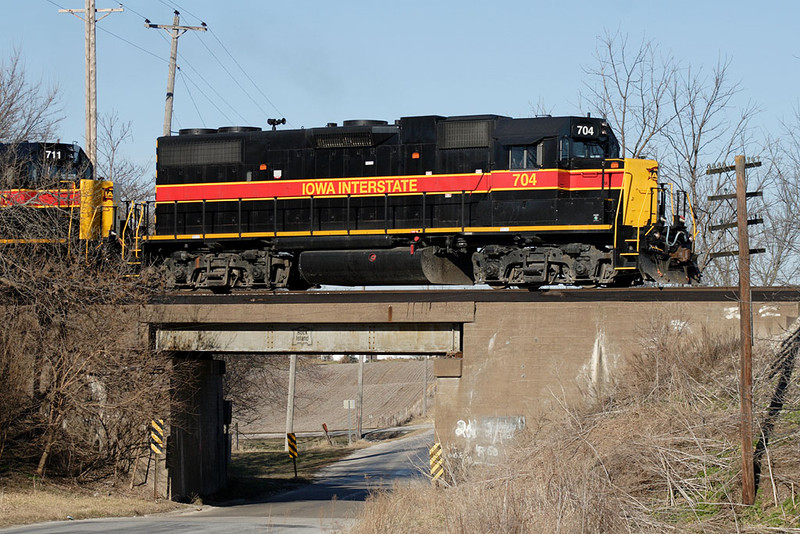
(495, 285)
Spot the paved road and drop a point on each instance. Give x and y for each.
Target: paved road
(328, 505)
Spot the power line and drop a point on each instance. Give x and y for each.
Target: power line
(203, 122)
(118, 37)
(176, 30)
(133, 45)
(57, 5)
(213, 34)
(200, 76)
(188, 79)
(174, 5)
(219, 96)
(129, 8)
(186, 63)
(232, 77)
(90, 21)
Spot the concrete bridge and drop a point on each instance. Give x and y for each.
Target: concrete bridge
(503, 358)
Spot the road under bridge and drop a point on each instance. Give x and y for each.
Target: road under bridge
(503, 358)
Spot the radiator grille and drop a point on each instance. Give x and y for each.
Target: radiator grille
(349, 140)
(464, 134)
(200, 153)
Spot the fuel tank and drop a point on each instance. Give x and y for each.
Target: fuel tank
(393, 266)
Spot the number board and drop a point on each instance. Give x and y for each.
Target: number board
(585, 130)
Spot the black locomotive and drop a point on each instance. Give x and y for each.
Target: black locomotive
(48, 194)
(426, 200)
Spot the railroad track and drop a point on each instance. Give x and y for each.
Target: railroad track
(639, 294)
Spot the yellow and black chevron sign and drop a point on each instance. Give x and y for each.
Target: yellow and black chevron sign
(292, 440)
(157, 436)
(437, 464)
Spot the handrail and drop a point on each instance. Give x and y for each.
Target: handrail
(694, 221)
(137, 235)
(619, 205)
(671, 203)
(131, 207)
(71, 217)
(639, 220)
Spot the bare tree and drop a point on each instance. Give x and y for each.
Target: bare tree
(84, 386)
(630, 86)
(28, 110)
(681, 116)
(540, 108)
(130, 179)
(257, 382)
(79, 386)
(779, 182)
(706, 129)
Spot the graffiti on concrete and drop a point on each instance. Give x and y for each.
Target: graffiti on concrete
(768, 311)
(484, 438)
(595, 374)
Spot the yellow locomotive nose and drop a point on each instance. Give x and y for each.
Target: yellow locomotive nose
(96, 209)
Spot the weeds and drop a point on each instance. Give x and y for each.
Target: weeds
(658, 453)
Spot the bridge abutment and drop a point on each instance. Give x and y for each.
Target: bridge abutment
(197, 448)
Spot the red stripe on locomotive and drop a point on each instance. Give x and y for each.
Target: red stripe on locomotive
(40, 199)
(393, 185)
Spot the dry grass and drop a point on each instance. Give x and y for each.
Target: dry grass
(25, 500)
(660, 453)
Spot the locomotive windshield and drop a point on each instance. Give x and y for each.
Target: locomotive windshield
(588, 149)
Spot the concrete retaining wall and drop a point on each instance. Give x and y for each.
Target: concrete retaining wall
(522, 362)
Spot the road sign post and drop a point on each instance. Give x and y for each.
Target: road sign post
(291, 441)
(437, 464)
(157, 447)
(327, 435)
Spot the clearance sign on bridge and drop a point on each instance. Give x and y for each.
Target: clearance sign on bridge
(388, 185)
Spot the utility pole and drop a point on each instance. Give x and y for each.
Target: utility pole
(176, 30)
(90, 19)
(745, 318)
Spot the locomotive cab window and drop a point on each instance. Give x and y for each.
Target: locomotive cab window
(525, 156)
(563, 149)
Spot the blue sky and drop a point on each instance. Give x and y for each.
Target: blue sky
(315, 62)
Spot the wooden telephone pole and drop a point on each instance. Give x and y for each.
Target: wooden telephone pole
(745, 317)
(176, 30)
(90, 19)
